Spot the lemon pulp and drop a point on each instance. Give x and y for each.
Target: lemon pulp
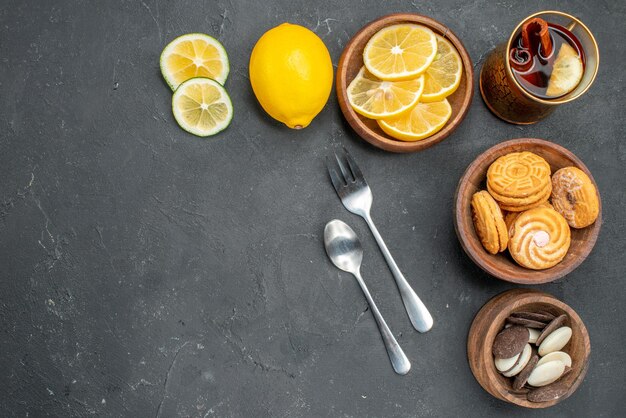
(194, 55)
(400, 52)
(424, 120)
(377, 99)
(202, 107)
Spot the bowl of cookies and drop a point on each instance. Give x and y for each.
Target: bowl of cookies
(527, 211)
(404, 82)
(528, 348)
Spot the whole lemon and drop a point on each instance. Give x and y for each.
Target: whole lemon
(291, 74)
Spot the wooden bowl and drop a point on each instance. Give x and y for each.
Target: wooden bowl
(351, 62)
(502, 265)
(491, 319)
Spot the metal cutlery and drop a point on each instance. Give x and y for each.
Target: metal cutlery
(345, 251)
(356, 196)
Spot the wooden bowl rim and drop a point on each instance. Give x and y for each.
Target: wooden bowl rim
(385, 142)
(523, 275)
(518, 299)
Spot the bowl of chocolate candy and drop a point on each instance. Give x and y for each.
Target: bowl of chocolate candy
(528, 348)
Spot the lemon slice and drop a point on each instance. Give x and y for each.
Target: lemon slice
(566, 73)
(194, 55)
(424, 120)
(377, 99)
(400, 52)
(202, 107)
(443, 76)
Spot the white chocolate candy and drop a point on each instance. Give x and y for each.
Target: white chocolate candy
(555, 341)
(546, 373)
(504, 364)
(556, 356)
(525, 357)
(534, 334)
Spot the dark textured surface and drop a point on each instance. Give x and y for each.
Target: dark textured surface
(147, 272)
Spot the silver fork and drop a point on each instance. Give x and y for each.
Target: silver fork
(356, 196)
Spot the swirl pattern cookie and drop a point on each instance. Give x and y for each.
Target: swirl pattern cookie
(510, 217)
(519, 180)
(489, 223)
(575, 197)
(539, 238)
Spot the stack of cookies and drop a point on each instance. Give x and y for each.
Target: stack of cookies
(530, 212)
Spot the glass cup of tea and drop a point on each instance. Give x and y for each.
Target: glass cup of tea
(550, 58)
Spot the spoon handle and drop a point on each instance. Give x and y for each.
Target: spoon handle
(415, 308)
(399, 361)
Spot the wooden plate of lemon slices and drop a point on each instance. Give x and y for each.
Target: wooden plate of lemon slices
(404, 82)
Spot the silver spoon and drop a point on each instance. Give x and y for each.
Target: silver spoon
(344, 250)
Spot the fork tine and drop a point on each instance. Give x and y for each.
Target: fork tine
(356, 171)
(344, 171)
(334, 177)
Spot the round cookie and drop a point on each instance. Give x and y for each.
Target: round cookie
(523, 200)
(539, 238)
(509, 217)
(523, 204)
(575, 197)
(489, 223)
(518, 175)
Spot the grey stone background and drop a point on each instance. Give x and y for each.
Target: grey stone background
(147, 272)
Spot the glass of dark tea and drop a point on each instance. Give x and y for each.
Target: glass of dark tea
(550, 58)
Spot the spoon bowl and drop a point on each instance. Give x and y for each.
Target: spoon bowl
(343, 246)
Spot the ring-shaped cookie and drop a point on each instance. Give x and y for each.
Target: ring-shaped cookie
(539, 238)
(510, 217)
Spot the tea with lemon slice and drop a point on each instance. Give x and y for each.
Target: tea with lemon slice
(547, 59)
